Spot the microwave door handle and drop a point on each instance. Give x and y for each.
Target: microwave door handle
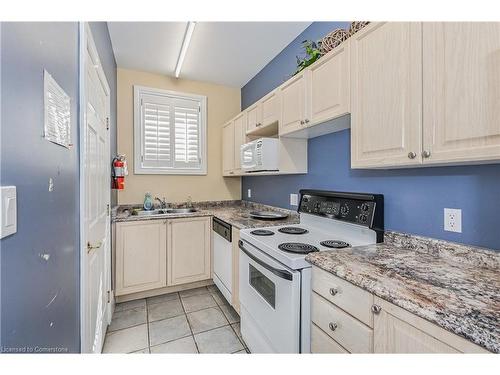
(280, 273)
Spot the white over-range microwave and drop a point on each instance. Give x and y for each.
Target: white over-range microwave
(260, 155)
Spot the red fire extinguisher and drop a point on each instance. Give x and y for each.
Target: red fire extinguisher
(119, 171)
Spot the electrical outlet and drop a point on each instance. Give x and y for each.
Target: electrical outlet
(453, 220)
(294, 200)
(249, 193)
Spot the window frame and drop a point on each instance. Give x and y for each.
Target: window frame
(138, 168)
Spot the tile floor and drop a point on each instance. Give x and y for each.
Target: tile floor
(192, 321)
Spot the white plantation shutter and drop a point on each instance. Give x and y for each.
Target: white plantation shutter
(169, 132)
(187, 131)
(156, 124)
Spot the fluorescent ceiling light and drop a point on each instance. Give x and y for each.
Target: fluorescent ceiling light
(185, 46)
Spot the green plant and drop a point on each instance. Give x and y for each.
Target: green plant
(312, 54)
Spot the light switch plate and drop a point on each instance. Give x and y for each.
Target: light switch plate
(294, 200)
(249, 193)
(453, 220)
(8, 215)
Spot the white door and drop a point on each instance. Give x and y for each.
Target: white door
(95, 199)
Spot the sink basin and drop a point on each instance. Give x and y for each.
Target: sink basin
(164, 211)
(180, 210)
(149, 213)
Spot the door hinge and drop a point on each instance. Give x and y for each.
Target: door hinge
(107, 209)
(109, 296)
(107, 123)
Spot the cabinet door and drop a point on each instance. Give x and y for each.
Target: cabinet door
(394, 333)
(188, 250)
(239, 139)
(269, 109)
(293, 104)
(461, 91)
(328, 86)
(141, 256)
(228, 148)
(386, 95)
(253, 117)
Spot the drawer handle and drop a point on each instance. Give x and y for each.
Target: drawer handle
(333, 291)
(333, 326)
(376, 309)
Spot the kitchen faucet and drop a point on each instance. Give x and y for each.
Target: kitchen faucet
(163, 202)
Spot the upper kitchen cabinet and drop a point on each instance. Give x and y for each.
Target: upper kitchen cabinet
(328, 86)
(461, 83)
(319, 94)
(263, 116)
(239, 139)
(233, 136)
(253, 117)
(228, 149)
(293, 104)
(386, 95)
(425, 94)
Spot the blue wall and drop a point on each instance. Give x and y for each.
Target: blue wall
(414, 198)
(47, 221)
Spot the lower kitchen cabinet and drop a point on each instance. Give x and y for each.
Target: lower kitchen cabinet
(141, 256)
(188, 250)
(399, 331)
(337, 307)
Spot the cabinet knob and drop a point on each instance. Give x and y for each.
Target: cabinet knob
(412, 155)
(376, 309)
(426, 154)
(332, 326)
(306, 121)
(302, 122)
(333, 291)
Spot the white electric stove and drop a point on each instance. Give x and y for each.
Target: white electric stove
(275, 278)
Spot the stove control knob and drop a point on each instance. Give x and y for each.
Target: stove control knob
(363, 218)
(365, 207)
(344, 210)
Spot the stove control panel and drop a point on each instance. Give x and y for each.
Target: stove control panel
(345, 207)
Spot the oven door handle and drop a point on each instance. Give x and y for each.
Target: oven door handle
(280, 273)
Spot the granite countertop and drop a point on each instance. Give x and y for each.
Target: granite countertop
(454, 286)
(236, 213)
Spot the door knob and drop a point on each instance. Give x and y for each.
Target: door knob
(91, 247)
(412, 155)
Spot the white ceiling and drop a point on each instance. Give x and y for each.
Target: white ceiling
(227, 53)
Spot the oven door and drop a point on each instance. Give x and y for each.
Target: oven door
(270, 303)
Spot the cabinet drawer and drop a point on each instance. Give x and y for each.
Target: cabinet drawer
(343, 328)
(345, 295)
(322, 343)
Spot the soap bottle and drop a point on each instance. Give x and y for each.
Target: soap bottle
(148, 202)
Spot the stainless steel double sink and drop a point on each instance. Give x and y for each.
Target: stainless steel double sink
(164, 211)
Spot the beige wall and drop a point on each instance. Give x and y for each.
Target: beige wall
(223, 103)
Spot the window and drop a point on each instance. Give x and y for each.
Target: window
(169, 132)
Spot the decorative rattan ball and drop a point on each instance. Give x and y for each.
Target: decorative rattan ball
(356, 26)
(332, 40)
